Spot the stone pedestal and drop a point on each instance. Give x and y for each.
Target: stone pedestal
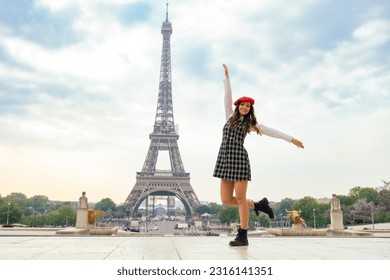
(82, 218)
(336, 220)
(297, 227)
(91, 226)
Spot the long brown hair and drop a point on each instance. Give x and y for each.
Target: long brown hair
(249, 120)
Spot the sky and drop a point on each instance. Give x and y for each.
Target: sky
(79, 86)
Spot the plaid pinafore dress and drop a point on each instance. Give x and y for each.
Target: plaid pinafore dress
(233, 161)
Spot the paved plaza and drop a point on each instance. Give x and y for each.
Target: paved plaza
(55, 247)
(43, 254)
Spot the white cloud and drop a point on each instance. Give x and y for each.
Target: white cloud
(376, 32)
(56, 5)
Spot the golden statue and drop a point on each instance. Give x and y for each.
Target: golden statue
(296, 217)
(91, 217)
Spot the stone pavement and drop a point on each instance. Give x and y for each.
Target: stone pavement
(49, 247)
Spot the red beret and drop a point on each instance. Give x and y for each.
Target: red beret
(244, 99)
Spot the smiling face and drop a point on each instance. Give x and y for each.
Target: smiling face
(244, 108)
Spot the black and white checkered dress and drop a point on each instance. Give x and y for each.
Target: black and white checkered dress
(233, 161)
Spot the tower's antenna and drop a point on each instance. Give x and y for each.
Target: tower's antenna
(167, 12)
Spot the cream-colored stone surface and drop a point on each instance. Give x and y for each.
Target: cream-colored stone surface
(82, 218)
(336, 220)
(191, 248)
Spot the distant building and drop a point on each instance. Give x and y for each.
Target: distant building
(324, 200)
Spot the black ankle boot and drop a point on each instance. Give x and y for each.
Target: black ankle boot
(241, 238)
(263, 206)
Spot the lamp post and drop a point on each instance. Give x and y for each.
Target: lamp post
(9, 206)
(314, 216)
(44, 218)
(35, 216)
(30, 219)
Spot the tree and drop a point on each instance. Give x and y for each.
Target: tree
(121, 211)
(66, 215)
(18, 198)
(362, 211)
(285, 203)
(384, 197)
(228, 214)
(202, 209)
(13, 212)
(306, 205)
(214, 208)
(351, 207)
(370, 194)
(383, 207)
(38, 203)
(260, 220)
(346, 201)
(322, 212)
(105, 205)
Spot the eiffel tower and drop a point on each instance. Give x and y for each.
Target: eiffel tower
(151, 181)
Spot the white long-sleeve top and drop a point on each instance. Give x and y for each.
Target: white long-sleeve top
(262, 128)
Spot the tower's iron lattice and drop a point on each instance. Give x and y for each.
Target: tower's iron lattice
(151, 181)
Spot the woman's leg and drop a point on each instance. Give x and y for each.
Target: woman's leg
(228, 188)
(240, 188)
(227, 191)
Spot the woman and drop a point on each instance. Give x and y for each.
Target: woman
(233, 165)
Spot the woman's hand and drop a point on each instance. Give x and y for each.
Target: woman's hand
(297, 143)
(226, 71)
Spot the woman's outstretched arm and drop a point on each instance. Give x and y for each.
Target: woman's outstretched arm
(228, 101)
(297, 143)
(226, 71)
